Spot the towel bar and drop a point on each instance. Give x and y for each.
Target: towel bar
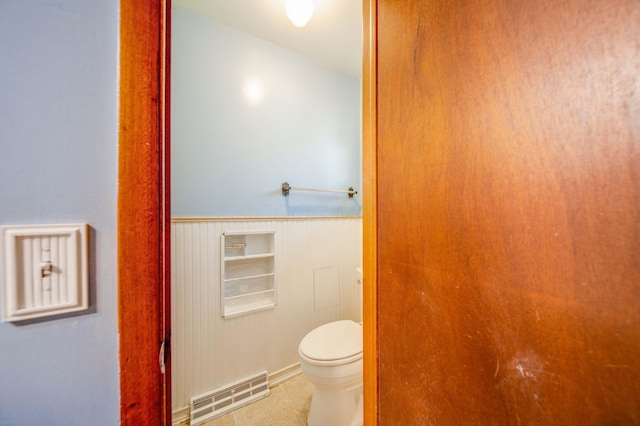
(286, 188)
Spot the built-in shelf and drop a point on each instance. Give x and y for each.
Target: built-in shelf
(247, 272)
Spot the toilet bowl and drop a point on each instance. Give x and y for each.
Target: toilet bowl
(331, 358)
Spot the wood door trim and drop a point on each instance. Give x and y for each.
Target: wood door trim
(143, 249)
(369, 223)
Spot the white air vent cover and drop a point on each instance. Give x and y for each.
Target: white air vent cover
(45, 270)
(215, 403)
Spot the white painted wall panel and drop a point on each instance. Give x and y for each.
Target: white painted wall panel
(209, 351)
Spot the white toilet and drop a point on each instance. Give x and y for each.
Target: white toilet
(331, 358)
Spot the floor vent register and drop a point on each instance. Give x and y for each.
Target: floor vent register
(220, 401)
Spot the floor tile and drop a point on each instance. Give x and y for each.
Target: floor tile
(226, 420)
(299, 390)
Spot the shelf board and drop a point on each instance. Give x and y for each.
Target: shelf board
(247, 257)
(253, 307)
(240, 296)
(248, 277)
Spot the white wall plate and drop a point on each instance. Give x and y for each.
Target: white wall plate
(45, 270)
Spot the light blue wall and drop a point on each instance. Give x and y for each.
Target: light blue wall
(58, 164)
(229, 155)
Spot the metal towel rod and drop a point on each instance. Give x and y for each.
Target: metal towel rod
(286, 188)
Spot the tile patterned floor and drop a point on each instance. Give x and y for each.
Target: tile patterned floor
(287, 405)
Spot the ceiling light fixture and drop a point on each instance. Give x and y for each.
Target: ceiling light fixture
(299, 11)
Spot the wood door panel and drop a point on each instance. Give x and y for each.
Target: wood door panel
(508, 212)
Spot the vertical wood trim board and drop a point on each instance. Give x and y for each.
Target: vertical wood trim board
(165, 192)
(210, 351)
(369, 168)
(141, 219)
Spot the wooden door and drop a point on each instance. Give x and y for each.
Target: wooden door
(508, 212)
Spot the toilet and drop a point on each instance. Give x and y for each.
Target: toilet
(331, 358)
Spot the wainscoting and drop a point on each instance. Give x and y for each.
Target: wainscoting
(209, 351)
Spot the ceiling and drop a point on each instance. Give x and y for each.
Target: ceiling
(333, 36)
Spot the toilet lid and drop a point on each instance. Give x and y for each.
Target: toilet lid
(332, 341)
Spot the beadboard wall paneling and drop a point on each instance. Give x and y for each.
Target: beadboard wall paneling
(209, 351)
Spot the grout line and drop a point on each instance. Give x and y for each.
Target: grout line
(299, 414)
(289, 401)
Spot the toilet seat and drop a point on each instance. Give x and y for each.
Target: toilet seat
(334, 343)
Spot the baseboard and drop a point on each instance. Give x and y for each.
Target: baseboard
(286, 373)
(181, 416)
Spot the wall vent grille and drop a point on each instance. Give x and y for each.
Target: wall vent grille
(218, 402)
